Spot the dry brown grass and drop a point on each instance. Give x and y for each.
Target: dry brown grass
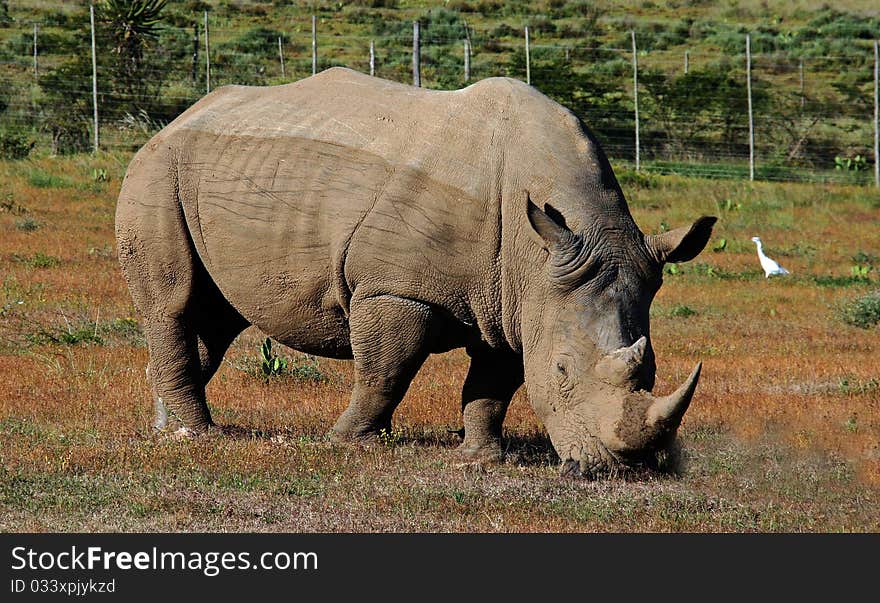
(783, 434)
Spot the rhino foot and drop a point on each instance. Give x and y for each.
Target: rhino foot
(367, 438)
(190, 433)
(483, 455)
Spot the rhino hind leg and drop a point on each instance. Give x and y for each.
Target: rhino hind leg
(217, 324)
(390, 342)
(492, 380)
(175, 373)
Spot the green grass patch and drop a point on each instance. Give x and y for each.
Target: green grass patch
(41, 179)
(81, 333)
(682, 311)
(38, 260)
(831, 280)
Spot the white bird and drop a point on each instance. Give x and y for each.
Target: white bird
(770, 266)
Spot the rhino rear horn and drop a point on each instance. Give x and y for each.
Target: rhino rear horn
(621, 366)
(666, 412)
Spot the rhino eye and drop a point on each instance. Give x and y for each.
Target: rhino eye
(563, 375)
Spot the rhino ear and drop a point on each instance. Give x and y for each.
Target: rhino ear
(550, 225)
(682, 244)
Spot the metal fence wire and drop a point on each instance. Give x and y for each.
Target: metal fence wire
(755, 113)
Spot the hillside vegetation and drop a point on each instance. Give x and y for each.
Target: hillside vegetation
(818, 126)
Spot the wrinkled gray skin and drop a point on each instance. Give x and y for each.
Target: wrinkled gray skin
(352, 217)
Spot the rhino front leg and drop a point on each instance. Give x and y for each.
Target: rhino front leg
(389, 341)
(492, 380)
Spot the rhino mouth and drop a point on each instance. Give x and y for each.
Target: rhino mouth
(599, 462)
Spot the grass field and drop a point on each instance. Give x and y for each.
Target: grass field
(782, 436)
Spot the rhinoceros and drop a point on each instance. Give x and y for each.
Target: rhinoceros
(351, 217)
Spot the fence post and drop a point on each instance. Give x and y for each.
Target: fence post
(314, 45)
(751, 114)
(36, 72)
(467, 60)
(195, 63)
(94, 75)
(207, 58)
(372, 58)
(801, 72)
(636, 95)
(417, 57)
(528, 60)
(687, 62)
(281, 56)
(876, 114)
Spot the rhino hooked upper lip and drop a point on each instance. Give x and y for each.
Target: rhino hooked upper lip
(353, 217)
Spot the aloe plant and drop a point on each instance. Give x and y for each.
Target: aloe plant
(133, 22)
(272, 364)
(132, 27)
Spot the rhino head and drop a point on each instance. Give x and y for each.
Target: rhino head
(589, 364)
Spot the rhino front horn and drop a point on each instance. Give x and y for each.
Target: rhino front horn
(666, 412)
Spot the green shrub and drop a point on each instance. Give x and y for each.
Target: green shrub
(27, 224)
(15, 145)
(862, 312)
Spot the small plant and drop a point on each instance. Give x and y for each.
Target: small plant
(728, 205)
(671, 269)
(862, 312)
(100, 175)
(306, 369)
(847, 164)
(272, 365)
(389, 438)
(682, 311)
(857, 386)
(860, 272)
(27, 224)
(706, 270)
(721, 245)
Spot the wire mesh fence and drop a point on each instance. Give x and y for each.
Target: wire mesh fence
(814, 115)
